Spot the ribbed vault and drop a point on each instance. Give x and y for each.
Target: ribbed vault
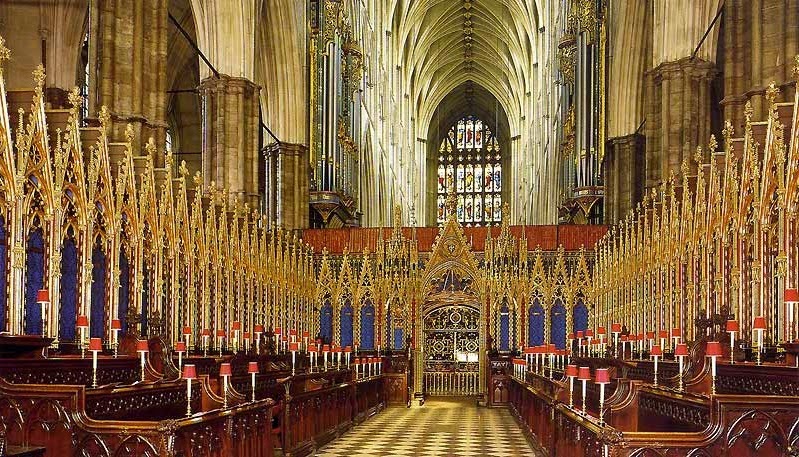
(445, 43)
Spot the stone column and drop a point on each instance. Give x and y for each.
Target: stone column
(624, 175)
(128, 59)
(678, 118)
(287, 185)
(230, 135)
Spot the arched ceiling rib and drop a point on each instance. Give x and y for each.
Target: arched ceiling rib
(444, 43)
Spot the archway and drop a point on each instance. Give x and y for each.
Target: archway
(450, 331)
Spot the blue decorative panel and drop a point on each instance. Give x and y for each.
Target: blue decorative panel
(3, 273)
(124, 290)
(504, 327)
(346, 323)
(326, 321)
(580, 316)
(535, 331)
(69, 290)
(399, 339)
(367, 325)
(145, 299)
(34, 280)
(97, 320)
(558, 328)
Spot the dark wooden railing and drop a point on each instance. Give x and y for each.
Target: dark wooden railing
(643, 420)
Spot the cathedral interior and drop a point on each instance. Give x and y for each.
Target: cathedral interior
(261, 228)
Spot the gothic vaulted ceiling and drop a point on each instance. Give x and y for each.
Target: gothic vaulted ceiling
(444, 43)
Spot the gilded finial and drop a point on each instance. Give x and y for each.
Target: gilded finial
(5, 53)
(105, 118)
(75, 99)
(38, 77)
(712, 145)
(198, 179)
(795, 66)
(149, 147)
(748, 111)
(451, 202)
(728, 131)
(772, 91)
(129, 135)
(684, 169)
(183, 169)
(698, 155)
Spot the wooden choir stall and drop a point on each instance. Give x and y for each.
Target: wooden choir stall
(142, 318)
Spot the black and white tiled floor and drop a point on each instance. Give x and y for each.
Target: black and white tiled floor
(442, 427)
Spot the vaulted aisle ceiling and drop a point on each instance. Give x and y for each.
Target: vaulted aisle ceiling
(444, 43)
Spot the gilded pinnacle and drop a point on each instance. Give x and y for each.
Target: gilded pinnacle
(5, 53)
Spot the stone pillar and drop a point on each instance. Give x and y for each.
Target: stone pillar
(230, 135)
(678, 115)
(287, 185)
(127, 55)
(624, 175)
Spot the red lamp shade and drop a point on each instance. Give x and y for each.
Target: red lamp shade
(326, 348)
(180, 346)
(791, 296)
(357, 361)
(312, 348)
(732, 326)
(187, 330)
(571, 371)
(206, 332)
(602, 376)
(663, 334)
(95, 344)
(713, 349)
(579, 334)
(293, 332)
(220, 333)
(347, 349)
(650, 335)
(656, 351)
(82, 321)
(584, 374)
(42, 295)
(615, 327)
(236, 325)
(624, 338)
(246, 335)
(601, 330)
(252, 367)
(258, 328)
(284, 338)
(760, 323)
(305, 334)
(681, 350)
(571, 336)
(142, 346)
(224, 369)
(676, 332)
(640, 337)
(116, 324)
(189, 372)
(551, 348)
(589, 333)
(294, 347)
(277, 331)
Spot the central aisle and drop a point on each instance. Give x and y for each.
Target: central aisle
(442, 427)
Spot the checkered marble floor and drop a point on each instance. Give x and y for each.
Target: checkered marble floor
(442, 427)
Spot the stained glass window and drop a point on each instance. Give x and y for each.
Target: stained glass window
(469, 165)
